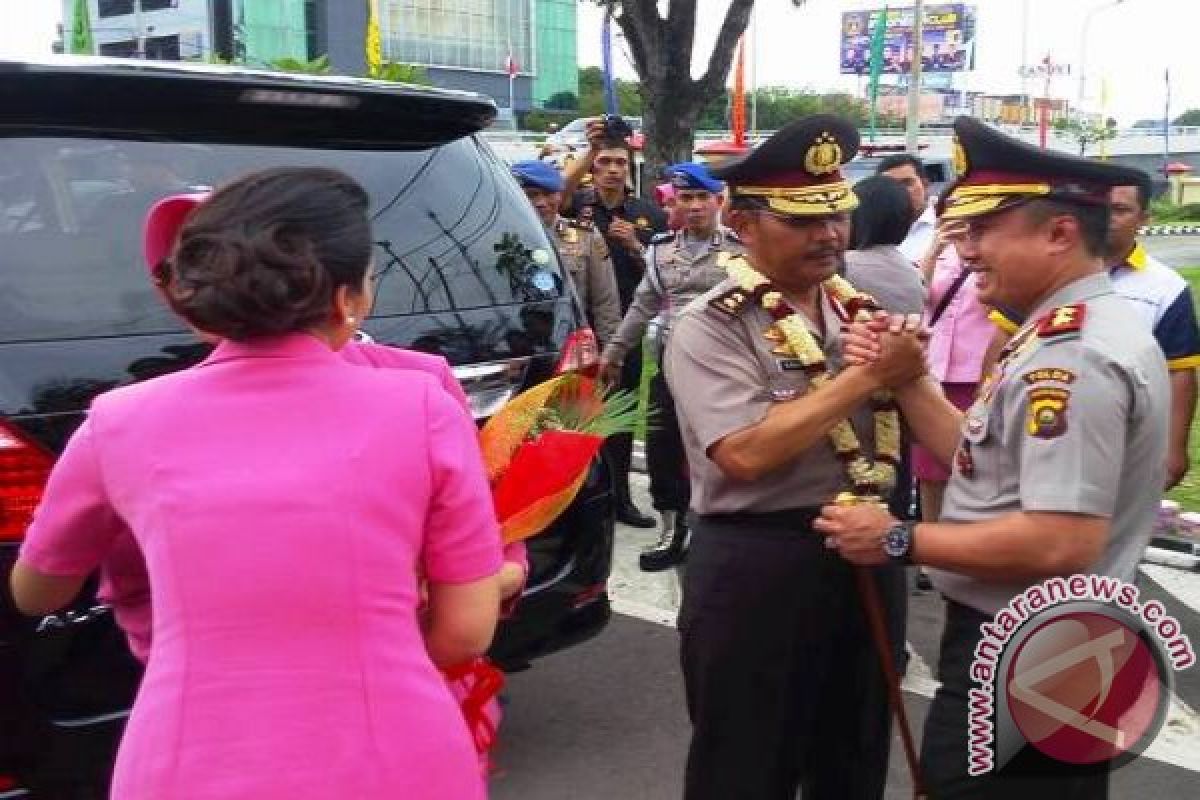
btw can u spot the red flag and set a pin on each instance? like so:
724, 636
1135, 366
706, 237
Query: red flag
737, 112
510, 65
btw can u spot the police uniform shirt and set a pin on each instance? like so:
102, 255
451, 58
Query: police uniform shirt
1072, 422
647, 220
725, 377
586, 257
1162, 300
679, 269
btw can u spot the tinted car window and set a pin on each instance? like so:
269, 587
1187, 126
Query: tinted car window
453, 231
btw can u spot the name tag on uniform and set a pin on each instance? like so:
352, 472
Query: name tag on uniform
790, 364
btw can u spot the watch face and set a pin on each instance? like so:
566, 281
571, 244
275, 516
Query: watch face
895, 544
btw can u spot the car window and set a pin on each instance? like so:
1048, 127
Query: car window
453, 232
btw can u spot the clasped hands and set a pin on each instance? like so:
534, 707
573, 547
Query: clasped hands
892, 347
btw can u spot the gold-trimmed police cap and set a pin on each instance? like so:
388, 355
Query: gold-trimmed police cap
798, 171
997, 171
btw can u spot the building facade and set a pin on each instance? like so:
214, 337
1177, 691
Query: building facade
257, 31
467, 44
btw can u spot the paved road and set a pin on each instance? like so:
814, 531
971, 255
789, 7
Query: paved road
1175, 251
606, 719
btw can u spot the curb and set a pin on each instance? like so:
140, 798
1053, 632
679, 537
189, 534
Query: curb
1170, 230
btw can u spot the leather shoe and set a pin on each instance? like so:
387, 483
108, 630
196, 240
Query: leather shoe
628, 514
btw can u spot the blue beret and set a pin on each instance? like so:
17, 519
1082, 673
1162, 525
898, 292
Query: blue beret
539, 174
690, 175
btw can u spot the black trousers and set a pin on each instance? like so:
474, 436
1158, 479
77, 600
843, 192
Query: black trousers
1029, 776
666, 461
784, 687
619, 449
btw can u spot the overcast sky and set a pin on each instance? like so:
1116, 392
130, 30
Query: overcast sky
1130, 44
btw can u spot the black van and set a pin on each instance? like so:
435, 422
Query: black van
86, 146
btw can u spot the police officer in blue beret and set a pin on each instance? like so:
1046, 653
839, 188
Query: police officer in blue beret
680, 266
581, 247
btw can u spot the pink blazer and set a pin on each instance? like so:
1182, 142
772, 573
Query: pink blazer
284, 517
123, 582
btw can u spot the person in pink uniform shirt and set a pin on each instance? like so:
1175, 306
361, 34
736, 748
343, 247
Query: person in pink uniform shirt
959, 338
285, 526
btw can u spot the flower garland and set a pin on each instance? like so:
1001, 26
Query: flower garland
792, 337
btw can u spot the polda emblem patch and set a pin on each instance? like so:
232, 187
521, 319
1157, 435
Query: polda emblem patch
1046, 417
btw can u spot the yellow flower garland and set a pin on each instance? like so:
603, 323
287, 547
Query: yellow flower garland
867, 478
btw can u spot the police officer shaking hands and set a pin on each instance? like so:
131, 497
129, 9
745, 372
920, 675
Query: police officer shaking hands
1058, 466
784, 688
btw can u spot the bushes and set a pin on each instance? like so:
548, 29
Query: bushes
1163, 212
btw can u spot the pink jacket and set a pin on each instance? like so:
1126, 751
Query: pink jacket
961, 336
284, 516
123, 582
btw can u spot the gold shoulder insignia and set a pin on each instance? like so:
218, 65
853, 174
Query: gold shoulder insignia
1061, 321
730, 303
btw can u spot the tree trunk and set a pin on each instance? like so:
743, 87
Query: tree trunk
661, 49
669, 124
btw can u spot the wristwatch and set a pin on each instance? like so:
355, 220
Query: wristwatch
897, 542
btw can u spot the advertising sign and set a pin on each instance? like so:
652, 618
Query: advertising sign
948, 39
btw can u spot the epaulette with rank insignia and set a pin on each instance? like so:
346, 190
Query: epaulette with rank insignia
1063, 322
730, 302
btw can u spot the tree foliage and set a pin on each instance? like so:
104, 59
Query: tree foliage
402, 73
316, 66
1191, 117
776, 105
1089, 133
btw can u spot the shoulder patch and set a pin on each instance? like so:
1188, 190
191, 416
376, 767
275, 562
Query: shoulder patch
730, 302
1046, 414
1062, 321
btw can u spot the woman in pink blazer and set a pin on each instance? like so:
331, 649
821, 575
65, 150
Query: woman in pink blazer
284, 518
124, 584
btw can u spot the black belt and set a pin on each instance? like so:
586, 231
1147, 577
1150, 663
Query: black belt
783, 523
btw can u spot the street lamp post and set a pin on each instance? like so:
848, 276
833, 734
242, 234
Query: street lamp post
913, 122
1083, 36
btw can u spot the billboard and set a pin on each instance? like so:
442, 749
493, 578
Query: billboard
948, 39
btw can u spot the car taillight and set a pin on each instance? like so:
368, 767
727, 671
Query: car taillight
581, 353
24, 468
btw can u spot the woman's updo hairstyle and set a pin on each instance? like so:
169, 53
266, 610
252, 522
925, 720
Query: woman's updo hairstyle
265, 254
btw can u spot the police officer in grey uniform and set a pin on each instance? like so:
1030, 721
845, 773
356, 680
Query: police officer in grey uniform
680, 266
582, 248
1057, 467
784, 688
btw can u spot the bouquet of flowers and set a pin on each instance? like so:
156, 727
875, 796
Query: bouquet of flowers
537, 448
